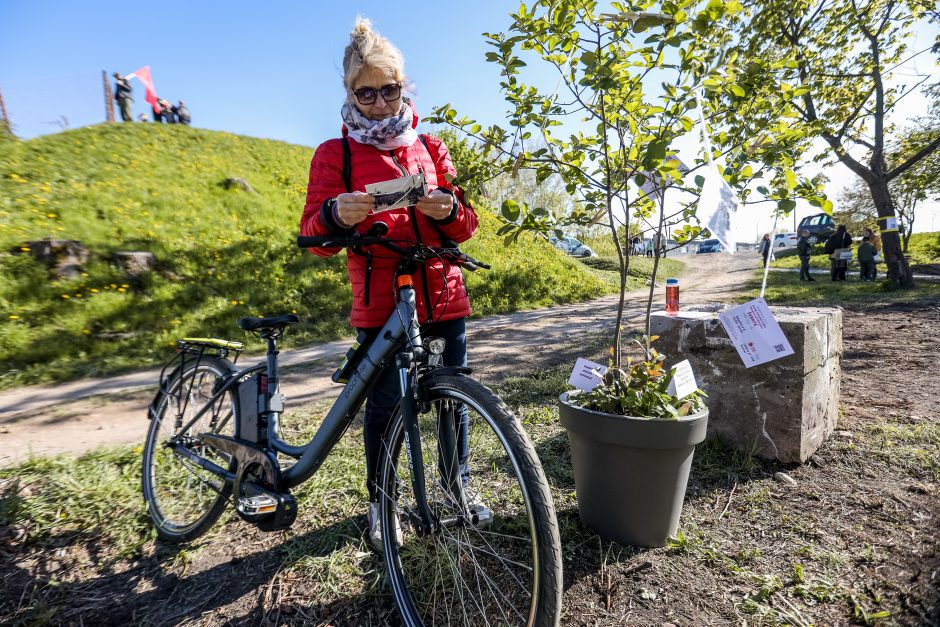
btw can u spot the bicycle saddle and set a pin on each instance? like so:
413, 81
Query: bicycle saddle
277, 322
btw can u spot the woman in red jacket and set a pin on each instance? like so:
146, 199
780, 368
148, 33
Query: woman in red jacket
382, 144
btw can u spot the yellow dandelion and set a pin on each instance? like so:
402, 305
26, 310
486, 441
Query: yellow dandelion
12, 317
65, 296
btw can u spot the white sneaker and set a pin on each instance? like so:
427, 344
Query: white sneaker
374, 523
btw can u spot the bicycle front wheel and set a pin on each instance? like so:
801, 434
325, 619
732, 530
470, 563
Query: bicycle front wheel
184, 499
504, 572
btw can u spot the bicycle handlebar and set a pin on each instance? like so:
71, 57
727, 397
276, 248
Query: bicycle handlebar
413, 251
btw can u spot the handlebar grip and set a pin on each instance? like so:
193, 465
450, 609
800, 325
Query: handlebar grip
320, 241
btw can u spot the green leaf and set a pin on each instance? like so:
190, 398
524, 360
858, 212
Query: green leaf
790, 178
737, 91
510, 210
786, 205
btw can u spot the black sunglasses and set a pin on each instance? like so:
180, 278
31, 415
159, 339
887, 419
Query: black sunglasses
368, 95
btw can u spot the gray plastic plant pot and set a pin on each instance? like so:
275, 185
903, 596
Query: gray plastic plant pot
630, 474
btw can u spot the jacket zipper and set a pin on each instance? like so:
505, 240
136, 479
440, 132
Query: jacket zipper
414, 223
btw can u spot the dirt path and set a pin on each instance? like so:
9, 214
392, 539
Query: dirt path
77, 417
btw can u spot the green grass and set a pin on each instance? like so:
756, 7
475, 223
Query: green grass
923, 248
222, 253
785, 288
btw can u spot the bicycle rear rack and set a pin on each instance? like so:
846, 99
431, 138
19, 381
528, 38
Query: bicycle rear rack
197, 347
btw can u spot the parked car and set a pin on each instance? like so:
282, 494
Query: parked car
820, 226
785, 240
709, 246
573, 247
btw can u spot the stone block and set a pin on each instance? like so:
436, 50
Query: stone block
135, 263
784, 409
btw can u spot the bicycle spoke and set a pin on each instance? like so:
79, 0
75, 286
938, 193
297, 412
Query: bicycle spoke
489, 572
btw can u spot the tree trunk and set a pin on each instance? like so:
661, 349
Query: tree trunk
898, 269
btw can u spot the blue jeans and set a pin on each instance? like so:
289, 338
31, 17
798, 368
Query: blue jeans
386, 392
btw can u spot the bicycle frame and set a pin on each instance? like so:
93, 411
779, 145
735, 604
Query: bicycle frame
401, 323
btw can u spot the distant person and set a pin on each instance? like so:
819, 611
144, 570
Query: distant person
803, 250
167, 112
866, 260
840, 241
142, 118
636, 245
874, 238
649, 247
763, 249
659, 242
182, 113
122, 93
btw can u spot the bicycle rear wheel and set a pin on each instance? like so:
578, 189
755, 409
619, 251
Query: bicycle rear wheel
185, 500
505, 573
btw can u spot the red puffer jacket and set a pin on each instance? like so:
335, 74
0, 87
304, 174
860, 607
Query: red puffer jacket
436, 283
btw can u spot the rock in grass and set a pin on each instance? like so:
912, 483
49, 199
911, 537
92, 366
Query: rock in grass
783, 477
237, 181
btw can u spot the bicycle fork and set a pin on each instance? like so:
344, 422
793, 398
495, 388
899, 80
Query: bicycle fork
409, 410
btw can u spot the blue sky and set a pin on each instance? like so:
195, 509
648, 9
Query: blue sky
266, 69
263, 69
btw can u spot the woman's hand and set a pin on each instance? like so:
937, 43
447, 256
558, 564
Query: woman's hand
353, 207
438, 204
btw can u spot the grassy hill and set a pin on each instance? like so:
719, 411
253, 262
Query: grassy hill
221, 253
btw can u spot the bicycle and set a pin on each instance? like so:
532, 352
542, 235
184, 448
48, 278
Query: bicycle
214, 438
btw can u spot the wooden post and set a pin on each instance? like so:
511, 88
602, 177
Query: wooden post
108, 98
4, 118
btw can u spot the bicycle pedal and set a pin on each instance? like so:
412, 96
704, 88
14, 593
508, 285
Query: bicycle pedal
481, 517
257, 505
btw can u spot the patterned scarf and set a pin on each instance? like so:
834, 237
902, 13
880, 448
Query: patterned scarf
387, 134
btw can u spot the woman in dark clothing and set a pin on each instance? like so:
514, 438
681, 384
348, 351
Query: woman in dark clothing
841, 239
804, 250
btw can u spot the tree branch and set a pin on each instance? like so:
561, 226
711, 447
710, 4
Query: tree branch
920, 154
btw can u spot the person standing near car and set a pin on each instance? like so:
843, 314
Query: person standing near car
764, 248
840, 241
803, 250
379, 143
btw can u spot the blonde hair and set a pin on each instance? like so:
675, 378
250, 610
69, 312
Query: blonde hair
368, 48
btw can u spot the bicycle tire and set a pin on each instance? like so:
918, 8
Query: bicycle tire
516, 561
184, 500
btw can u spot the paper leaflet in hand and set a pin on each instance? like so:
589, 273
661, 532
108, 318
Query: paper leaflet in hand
396, 193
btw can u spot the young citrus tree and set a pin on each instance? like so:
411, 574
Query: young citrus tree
626, 97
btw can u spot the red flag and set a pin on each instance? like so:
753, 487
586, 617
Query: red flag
143, 75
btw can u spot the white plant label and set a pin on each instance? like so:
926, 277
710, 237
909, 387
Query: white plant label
587, 375
755, 333
683, 380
